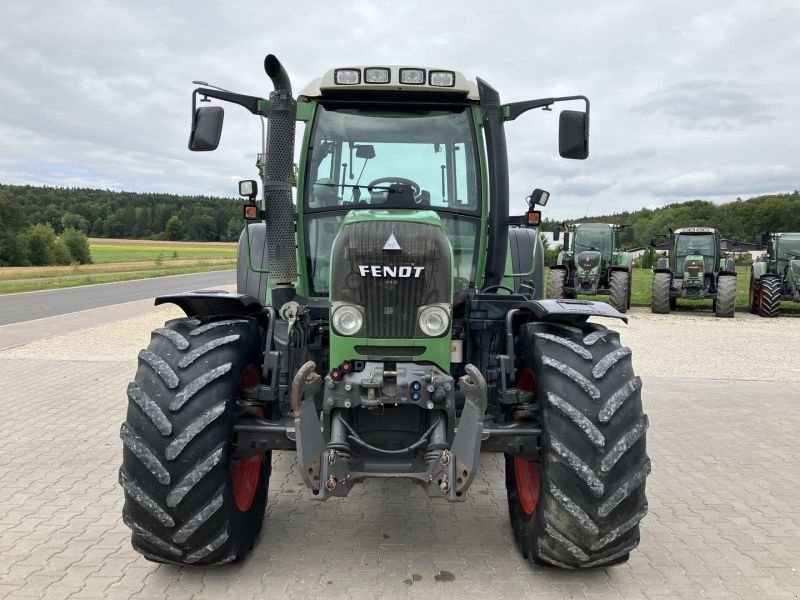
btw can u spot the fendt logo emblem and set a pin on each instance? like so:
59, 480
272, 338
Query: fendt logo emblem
392, 243
406, 272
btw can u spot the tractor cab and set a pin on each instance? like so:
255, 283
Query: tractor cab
593, 247
390, 157
786, 254
696, 252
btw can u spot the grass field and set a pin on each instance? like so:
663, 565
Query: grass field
114, 251
122, 260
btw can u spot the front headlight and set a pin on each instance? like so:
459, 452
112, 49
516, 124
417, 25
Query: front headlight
347, 319
434, 321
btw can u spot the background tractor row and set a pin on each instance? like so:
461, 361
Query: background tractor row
592, 262
694, 270
389, 325
778, 277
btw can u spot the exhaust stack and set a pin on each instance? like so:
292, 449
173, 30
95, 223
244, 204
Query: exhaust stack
278, 172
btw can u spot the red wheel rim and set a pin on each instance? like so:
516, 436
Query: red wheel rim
245, 472
526, 472
527, 475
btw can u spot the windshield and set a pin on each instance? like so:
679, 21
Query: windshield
695, 245
788, 249
596, 239
432, 152
408, 159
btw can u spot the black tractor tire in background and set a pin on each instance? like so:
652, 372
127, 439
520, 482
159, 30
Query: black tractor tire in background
186, 500
725, 302
660, 301
770, 296
619, 285
556, 280
754, 295
580, 505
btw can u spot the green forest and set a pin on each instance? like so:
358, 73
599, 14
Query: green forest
39, 225
743, 219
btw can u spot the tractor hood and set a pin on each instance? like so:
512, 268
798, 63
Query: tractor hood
587, 261
694, 267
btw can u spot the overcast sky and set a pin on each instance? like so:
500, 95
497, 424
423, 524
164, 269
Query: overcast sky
690, 99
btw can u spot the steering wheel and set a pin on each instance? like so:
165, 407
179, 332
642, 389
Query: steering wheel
414, 185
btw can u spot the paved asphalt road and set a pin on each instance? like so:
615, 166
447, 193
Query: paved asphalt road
17, 308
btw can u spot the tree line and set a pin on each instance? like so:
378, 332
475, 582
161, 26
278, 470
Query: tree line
44, 225
742, 219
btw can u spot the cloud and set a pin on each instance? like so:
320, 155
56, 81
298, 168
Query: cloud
710, 104
688, 99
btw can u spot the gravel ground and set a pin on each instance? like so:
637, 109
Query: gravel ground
691, 345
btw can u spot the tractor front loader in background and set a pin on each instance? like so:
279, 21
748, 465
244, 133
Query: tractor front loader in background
694, 270
778, 277
593, 264
390, 325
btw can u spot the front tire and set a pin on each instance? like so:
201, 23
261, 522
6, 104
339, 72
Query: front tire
620, 290
770, 297
725, 302
660, 301
556, 280
186, 500
581, 504
754, 295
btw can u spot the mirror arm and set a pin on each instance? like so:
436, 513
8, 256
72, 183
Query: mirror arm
251, 103
514, 109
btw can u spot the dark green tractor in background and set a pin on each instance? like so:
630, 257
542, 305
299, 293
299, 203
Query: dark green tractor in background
694, 270
594, 263
778, 277
389, 324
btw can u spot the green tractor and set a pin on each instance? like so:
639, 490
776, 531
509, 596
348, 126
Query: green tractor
694, 270
594, 264
389, 325
777, 278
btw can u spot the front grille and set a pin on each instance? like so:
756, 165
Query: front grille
588, 260
390, 301
693, 268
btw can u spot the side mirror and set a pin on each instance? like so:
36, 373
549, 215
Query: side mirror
653, 242
366, 151
764, 240
573, 134
629, 234
723, 245
206, 128
556, 233
565, 245
539, 197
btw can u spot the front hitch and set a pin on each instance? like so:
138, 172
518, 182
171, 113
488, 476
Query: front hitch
467, 443
446, 473
310, 443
